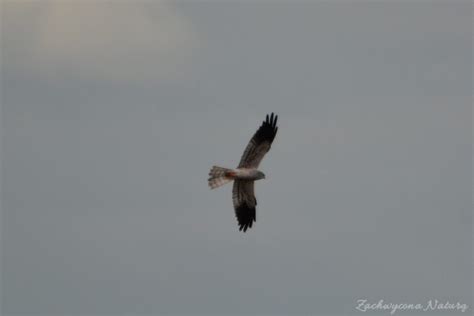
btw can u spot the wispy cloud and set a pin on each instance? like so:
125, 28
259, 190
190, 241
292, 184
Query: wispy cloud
99, 39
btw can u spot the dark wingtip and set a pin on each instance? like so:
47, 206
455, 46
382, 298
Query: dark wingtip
243, 228
271, 119
267, 131
245, 217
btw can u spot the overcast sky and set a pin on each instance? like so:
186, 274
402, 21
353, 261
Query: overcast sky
114, 112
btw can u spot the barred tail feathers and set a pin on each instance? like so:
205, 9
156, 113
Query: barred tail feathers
219, 176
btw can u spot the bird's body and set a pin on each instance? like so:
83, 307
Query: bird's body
249, 174
246, 173
221, 176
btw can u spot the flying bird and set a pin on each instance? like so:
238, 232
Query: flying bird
244, 176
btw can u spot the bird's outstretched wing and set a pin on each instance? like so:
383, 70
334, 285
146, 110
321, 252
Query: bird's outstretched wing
260, 143
244, 203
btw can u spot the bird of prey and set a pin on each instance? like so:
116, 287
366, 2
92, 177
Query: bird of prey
247, 173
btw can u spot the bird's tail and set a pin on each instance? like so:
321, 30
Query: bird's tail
219, 176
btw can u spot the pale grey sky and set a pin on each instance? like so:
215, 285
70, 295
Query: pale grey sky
113, 113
